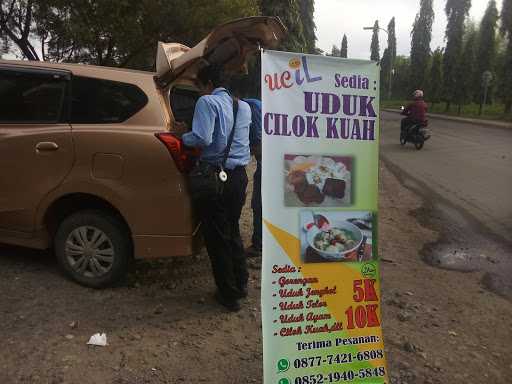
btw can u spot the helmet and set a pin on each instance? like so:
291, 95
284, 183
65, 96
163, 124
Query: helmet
417, 94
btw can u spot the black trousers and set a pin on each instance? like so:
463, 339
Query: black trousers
220, 216
257, 209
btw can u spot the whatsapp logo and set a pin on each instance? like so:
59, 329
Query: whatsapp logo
283, 381
282, 366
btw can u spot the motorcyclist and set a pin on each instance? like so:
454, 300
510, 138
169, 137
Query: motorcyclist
415, 112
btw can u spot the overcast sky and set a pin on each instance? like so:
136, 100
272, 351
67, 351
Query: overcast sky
334, 18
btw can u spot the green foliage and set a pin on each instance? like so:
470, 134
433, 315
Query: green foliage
420, 44
491, 112
119, 33
506, 18
465, 85
374, 47
335, 51
389, 64
485, 61
385, 72
456, 12
434, 90
297, 16
344, 47
392, 41
400, 86
289, 11
307, 8
506, 81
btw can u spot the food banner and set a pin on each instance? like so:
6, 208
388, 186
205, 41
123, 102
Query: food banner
320, 273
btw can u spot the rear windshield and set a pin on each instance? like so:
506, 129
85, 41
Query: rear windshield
183, 102
97, 101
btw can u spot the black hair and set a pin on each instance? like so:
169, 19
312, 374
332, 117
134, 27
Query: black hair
213, 73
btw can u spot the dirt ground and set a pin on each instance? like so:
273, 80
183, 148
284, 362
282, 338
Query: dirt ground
163, 326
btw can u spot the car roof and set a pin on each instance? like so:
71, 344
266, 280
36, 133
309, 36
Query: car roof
113, 73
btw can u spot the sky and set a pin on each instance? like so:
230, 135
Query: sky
334, 18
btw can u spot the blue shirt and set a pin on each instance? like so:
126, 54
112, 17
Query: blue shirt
255, 129
212, 124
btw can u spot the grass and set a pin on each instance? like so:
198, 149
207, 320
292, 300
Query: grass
490, 112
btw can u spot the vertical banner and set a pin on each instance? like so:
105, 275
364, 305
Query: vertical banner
321, 287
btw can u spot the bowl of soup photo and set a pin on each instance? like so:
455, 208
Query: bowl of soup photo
335, 242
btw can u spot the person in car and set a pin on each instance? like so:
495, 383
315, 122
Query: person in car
415, 112
211, 126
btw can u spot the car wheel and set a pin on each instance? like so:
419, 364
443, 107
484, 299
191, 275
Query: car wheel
418, 144
94, 248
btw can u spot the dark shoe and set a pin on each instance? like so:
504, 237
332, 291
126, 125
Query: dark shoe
253, 251
230, 305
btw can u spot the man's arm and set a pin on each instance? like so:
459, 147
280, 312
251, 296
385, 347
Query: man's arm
203, 125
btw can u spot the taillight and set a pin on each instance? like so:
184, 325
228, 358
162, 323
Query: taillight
183, 156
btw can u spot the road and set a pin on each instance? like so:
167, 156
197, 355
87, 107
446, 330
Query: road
466, 164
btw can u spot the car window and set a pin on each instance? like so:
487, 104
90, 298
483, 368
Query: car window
183, 102
30, 98
96, 101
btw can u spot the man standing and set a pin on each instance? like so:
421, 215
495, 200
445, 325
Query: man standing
220, 214
255, 142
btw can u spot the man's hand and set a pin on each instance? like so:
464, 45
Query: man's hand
180, 128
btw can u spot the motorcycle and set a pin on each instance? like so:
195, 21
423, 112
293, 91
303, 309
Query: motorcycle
415, 133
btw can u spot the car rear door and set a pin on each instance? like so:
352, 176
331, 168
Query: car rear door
228, 45
36, 147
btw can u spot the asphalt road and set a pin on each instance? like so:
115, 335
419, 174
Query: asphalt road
467, 164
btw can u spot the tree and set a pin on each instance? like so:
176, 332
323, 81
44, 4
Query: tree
436, 77
506, 30
307, 8
392, 40
289, 12
335, 51
391, 54
400, 86
420, 44
16, 22
344, 47
456, 12
122, 33
385, 71
486, 46
374, 46
466, 73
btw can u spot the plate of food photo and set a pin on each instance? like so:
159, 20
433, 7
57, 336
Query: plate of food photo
336, 236
323, 181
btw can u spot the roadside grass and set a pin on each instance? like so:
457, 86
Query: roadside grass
490, 112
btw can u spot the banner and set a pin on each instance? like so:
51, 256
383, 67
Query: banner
320, 288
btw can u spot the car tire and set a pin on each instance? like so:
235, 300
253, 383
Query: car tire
93, 248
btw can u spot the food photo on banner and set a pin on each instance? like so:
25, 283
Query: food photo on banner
330, 236
320, 272
317, 181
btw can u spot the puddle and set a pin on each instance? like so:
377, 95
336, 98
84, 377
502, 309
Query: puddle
454, 259
464, 243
